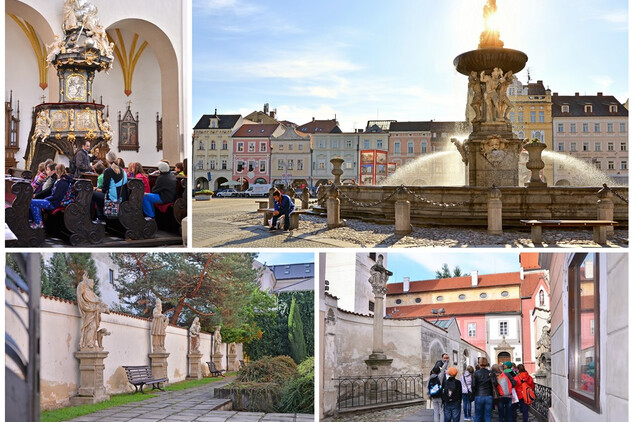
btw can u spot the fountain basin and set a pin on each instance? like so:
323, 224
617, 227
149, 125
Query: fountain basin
546, 203
486, 59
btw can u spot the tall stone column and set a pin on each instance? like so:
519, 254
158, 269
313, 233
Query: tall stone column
495, 211
605, 207
378, 280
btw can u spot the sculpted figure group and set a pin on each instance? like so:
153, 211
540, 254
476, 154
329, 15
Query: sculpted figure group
487, 96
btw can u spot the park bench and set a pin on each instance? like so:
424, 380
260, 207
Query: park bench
139, 376
294, 216
131, 222
599, 228
18, 195
214, 371
74, 221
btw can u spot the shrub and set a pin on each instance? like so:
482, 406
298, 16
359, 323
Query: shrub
203, 192
251, 396
297, 396
278, 369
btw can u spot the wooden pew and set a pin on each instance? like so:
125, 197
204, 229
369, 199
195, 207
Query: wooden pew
132, 223
17, 203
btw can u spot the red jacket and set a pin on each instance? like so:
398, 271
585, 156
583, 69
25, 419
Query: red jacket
523, 377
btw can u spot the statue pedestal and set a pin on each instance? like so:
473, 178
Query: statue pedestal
159, 364
195, 366
232, 362
491, 163
218, 361
91, 388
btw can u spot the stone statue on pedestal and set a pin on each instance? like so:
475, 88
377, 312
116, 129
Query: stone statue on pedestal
90, 308
217, 341
379, 276
159, 328
194, 336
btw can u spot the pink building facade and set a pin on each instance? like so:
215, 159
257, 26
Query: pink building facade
251, 153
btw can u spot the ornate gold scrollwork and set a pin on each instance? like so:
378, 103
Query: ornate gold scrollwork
72, 137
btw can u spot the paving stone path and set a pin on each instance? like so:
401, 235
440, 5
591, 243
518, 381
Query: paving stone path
194, 404
234, 223
403, 414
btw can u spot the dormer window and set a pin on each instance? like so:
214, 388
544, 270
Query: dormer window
565, 109
613, 108
588, 108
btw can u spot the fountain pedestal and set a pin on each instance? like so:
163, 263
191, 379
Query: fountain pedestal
492, 159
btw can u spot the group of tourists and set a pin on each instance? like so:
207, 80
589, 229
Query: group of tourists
507, 387
52, 185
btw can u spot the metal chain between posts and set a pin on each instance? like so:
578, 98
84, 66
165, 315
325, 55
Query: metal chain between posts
400, 188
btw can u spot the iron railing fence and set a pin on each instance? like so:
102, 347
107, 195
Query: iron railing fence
356, 392
540, 406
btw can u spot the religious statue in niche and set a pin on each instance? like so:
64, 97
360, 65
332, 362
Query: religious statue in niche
128, 131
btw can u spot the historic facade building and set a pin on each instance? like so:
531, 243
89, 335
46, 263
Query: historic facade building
213, 149
290, 159
148, 75
593, 129
251, 153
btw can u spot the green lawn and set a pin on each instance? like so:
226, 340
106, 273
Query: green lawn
67, 413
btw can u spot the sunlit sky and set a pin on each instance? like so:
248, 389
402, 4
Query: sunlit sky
422, 264
282, 258
368, 59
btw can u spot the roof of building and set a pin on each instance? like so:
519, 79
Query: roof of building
382, 124
600, 105
320, 126
536, 88
291, 134
225, 121
461, 283
410, 127
450, 127
288, 271
444, 323
256, 131
261, 117
478, 307
301, 285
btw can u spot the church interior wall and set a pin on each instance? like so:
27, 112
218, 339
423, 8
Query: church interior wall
128, 344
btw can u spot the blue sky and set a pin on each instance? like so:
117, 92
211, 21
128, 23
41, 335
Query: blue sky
367, 59
272, 258
422, 264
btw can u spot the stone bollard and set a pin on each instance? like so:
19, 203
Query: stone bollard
305, 199
605, 207
271, 199
403, 213
495, 217
333, 209
292, 194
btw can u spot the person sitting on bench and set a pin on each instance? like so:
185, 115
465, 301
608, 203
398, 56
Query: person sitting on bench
283, 206
163, 192
63, 183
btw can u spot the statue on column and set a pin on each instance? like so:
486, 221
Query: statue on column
159, 327
90, 308
475, 98
194, 336
379, 276
217, 341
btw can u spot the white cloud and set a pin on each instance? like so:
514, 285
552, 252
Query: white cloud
216, 7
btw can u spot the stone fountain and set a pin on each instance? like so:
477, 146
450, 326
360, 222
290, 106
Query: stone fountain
491, 152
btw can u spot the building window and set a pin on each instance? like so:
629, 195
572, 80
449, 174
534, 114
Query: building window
252, 165
503, 328
262, 147
613, 108
291, 164
462, 296
251, 147
335, 144
213, 145
572, 127
348, 143
396, 148
472, 329
585, 146
541, 298
597, 165
200, 146
371, 306
597, 146
300, 164
561, 146
212, 165
418, 300
322, 165
281, 147
240, 166
280, 164
623, 165
520, 117
532, 116
225, 145
511, 116
240, 147
622, 146
290, 147
439, 298
504, 293
585, 127
596, 127
423, 147
410, 148
565, 109
224, 164
483, 295
379, 144
366, 144
584, 345
262, 166
622, 127
541, 117
300, 147
610, 146
111, 276
588, 108
610, 165
572, 147
610, 127
561, 128
398, 301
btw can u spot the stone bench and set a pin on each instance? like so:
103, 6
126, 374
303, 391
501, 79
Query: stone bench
140, 376
599, 228
294, 216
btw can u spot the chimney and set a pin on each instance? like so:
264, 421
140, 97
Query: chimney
555, 94
599, 94
405, 284
216, 112
272, 113
474, 278
577, 94
266, 107
313, 119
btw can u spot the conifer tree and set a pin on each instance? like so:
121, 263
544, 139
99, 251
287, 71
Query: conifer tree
295, 333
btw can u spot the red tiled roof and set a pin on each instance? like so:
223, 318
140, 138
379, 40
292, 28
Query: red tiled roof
529, 284
457, 283
256, 131
479, 307
529, 260
320, 126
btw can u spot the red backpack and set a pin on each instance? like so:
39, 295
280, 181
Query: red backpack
528, 392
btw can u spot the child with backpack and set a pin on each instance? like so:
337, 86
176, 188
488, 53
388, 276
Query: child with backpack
452, 396
435, 392
505, 384
524, 390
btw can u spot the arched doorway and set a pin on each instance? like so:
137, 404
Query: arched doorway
202, 183
217, 185
503, 357
260, 181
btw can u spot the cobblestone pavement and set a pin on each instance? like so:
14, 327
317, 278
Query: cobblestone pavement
403, 414
194, 404
233, 222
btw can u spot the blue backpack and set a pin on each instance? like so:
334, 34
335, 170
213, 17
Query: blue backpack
69, 196
435, 388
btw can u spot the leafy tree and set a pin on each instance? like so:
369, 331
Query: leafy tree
221, 289
445, 272
295, 333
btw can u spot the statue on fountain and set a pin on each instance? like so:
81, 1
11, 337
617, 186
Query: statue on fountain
379, 276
